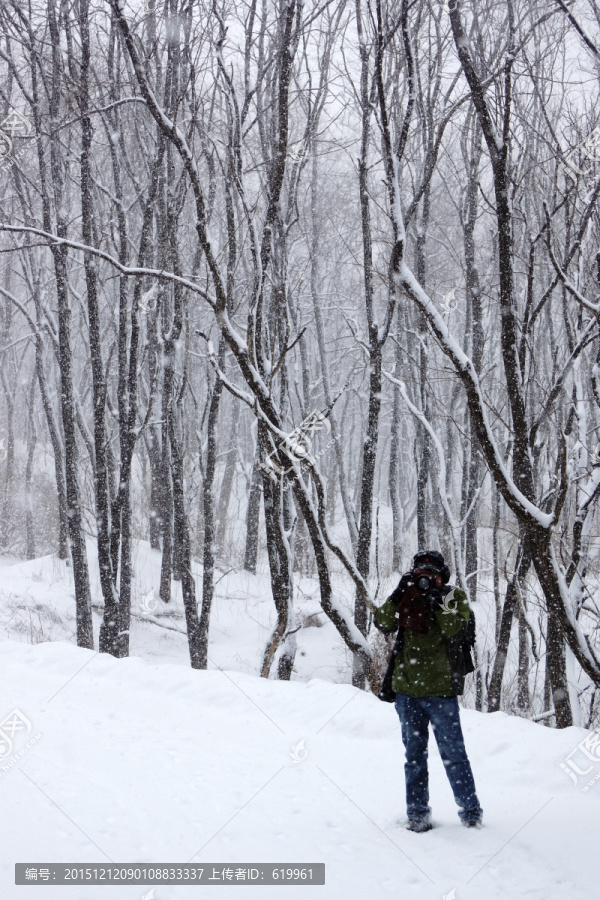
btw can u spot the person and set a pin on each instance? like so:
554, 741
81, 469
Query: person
428, 612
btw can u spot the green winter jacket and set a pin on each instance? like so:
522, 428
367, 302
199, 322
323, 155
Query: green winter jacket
423, 669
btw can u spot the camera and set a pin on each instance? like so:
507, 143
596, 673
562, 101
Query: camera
424, 584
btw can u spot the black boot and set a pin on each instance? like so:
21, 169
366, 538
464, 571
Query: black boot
418, 825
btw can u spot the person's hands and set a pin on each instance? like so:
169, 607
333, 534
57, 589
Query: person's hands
434, 598
399, 593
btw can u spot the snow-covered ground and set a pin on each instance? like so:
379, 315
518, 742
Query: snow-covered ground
145, 760
37, 604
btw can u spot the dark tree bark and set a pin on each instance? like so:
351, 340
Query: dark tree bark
280, 567
508, 612
394, 469
30, 548
228, 478
209, 513
523, 695
156, 490
253, 514
83, 600
109, 632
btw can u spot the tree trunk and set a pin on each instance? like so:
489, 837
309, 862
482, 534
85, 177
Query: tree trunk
280, 566
188, 585
166, 567
31, 445
508, 611
394, 470
523, 696
228, 477
110, 629
209, 513
253, 514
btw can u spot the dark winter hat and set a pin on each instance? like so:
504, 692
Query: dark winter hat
431, 559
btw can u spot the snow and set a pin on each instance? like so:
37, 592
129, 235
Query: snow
146, 760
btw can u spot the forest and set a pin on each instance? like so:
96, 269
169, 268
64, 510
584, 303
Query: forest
297, 288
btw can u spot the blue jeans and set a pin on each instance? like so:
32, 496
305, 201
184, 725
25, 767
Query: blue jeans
443, 712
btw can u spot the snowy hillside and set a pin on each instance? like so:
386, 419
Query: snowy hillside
144, 762
37, 604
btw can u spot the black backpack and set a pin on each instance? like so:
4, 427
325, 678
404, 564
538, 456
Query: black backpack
385, 692
460, 650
